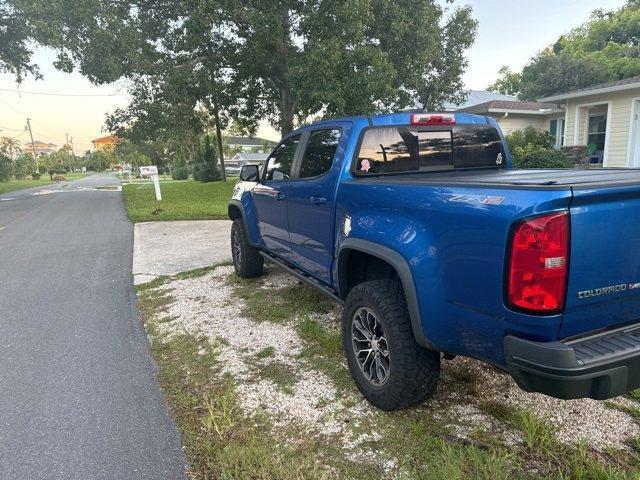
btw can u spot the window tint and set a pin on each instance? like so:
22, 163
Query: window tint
281, 160
318, 156
404, 149
409, 149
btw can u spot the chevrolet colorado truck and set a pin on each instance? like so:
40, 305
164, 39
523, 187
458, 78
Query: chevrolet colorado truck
436, 247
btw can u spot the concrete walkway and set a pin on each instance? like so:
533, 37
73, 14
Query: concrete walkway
167, 248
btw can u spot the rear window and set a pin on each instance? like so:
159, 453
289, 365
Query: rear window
416, 149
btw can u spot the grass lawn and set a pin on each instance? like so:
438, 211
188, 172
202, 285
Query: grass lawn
181, 200
20, 184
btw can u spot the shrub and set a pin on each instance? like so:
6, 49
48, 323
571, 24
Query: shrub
180, 173
205, 168
59, 178
532, 156
36, 175
532, 148
6, 168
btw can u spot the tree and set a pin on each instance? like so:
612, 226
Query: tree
24, 165
15, 55
605, 48
9, 146
179, 168
6, 168
507, 83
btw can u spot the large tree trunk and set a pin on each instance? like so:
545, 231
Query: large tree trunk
216, 116
282, 49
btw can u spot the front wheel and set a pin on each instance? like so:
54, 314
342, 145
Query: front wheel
247, 260
390, 369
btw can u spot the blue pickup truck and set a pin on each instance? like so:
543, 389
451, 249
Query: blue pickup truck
436, 247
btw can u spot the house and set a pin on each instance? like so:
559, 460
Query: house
602, 120
250, 144
607, 116
106, 143
38, 148
235, 163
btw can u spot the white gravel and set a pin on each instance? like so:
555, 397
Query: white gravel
207, 306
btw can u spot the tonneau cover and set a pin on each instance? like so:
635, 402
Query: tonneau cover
547, 178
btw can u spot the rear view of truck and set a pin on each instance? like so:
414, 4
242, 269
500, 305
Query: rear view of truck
584, 263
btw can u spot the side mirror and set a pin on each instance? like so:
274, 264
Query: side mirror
250, 173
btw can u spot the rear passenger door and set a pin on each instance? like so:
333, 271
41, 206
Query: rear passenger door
312, 201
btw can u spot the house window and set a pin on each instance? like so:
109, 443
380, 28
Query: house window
556, 128
597, 130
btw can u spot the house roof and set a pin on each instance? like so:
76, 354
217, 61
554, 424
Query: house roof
476, 97
617, 85
107, 139
505, 106
248, 141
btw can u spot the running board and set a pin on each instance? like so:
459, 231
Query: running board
312, 282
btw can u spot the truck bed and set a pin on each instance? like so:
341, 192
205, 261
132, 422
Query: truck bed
559, 179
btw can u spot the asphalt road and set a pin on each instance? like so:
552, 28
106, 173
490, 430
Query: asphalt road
78, 396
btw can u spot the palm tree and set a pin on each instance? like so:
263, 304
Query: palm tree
9, 145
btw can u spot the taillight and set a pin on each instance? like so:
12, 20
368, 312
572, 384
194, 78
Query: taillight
538, 263
433, 119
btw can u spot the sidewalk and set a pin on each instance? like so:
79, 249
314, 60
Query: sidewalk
167, 248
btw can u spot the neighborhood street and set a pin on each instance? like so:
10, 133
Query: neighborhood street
78, 397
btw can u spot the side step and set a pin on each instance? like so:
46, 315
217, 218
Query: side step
312, 282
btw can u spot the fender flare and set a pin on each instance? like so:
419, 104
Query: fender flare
401, 266
238, 204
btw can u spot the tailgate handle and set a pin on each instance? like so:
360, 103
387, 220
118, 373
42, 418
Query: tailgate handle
318, 200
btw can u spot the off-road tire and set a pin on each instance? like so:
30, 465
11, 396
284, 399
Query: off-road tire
247, 260
413, 371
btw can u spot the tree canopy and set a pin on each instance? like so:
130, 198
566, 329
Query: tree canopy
194, 63
605, 48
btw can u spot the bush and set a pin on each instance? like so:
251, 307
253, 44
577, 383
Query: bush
532, 156
59, 178
6, 168
180, 173
532, 148
36, 175
205, 168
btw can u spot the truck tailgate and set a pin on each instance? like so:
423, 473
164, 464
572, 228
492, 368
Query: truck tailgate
604, 267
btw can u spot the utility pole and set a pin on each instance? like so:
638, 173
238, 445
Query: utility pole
33, 145
73, 154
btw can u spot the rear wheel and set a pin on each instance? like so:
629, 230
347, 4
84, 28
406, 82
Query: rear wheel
247, 260
390, 369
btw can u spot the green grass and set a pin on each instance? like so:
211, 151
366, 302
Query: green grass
13, 185
185, 200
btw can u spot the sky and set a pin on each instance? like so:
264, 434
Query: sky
509, 33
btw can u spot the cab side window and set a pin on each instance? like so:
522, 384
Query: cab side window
318, 156
281, 160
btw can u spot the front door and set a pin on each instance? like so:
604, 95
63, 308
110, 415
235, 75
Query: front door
311, 203
270, 198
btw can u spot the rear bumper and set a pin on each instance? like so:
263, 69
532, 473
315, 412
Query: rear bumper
600, 366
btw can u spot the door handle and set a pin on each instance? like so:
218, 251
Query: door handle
280, 196
318, 200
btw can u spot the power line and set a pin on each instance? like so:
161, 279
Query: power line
60, 94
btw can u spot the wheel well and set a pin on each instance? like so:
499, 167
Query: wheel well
356, 267
234, 212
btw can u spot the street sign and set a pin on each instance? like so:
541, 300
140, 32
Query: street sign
148, 171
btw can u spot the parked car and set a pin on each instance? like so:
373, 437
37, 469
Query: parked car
436, 247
